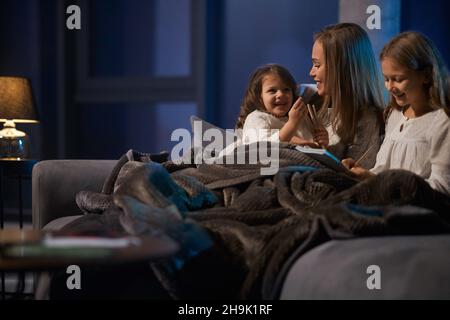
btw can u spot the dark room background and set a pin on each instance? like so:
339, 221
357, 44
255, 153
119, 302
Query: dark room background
138, 69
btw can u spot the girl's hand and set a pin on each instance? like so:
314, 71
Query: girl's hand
297, 111
321, 137
361, 173
348, 163
358, 171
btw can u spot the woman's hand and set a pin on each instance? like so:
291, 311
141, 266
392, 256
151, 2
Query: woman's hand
303, 142
321, 137
358, 171
349, 163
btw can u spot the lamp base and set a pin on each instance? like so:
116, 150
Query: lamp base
14, 145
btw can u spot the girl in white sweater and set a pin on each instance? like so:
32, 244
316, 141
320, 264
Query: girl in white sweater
418, 117
268, 111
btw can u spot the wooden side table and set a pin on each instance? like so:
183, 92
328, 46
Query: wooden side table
14, 169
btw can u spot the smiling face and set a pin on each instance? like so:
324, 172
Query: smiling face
405, 85
318, 69
276, 95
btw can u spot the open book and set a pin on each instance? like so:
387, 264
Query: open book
323, 156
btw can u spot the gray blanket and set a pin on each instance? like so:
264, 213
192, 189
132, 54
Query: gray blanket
259, 224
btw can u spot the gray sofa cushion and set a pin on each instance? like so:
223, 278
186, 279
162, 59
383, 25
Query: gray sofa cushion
411, 267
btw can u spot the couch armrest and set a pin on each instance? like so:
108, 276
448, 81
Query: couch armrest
56, 182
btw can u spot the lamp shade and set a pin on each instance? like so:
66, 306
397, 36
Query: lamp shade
16, 100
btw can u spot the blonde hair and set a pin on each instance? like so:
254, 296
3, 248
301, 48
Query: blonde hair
415, 51
353, 81
252, 99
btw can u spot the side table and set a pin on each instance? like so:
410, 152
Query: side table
19, 169
14, 169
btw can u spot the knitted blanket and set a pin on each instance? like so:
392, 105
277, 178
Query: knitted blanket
262, 224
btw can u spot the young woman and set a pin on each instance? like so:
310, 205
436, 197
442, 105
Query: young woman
418, 123
347, 77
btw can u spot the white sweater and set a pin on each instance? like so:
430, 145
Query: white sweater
420, 145
257, 120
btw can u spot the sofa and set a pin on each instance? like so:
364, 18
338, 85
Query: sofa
388, 267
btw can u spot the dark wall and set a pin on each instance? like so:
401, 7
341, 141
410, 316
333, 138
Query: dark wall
430, 17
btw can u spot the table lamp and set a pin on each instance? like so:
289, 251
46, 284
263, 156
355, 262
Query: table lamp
16, 106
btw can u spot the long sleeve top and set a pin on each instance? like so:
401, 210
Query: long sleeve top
420, 145
367, 136
262, 126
